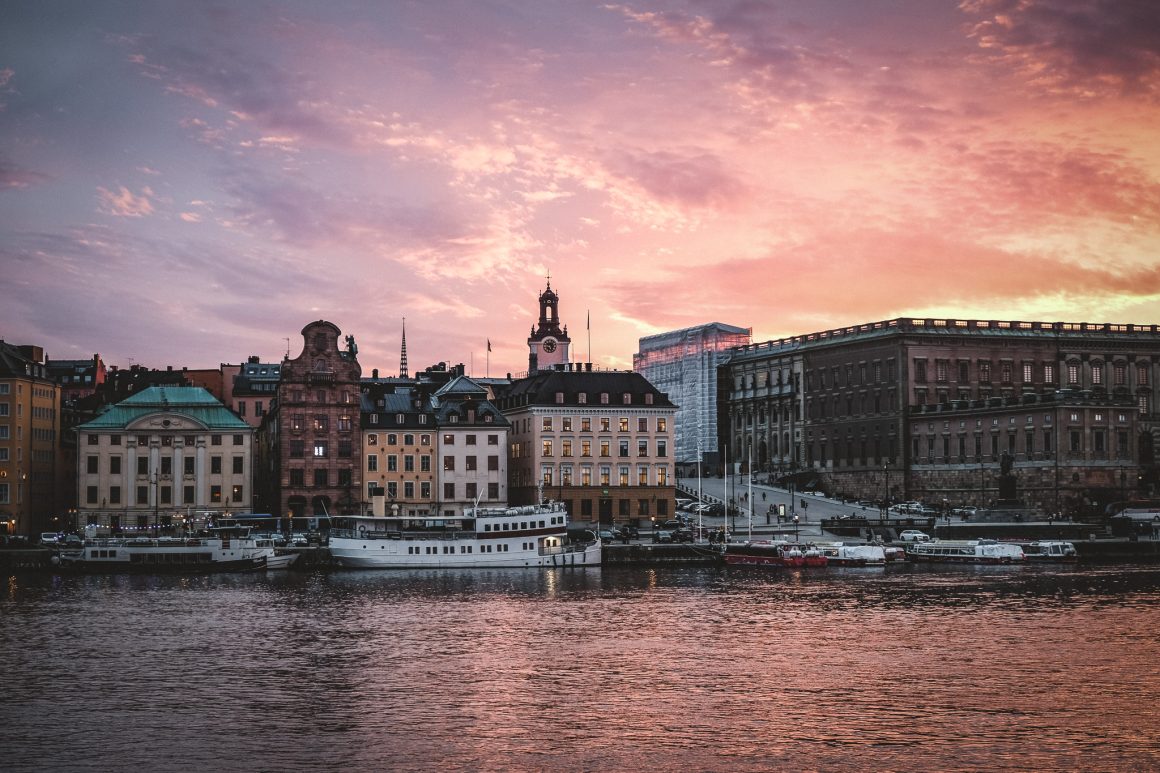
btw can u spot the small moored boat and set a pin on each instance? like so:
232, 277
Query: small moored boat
772, 553
845, 554
228, 549
974, 551
1051, 551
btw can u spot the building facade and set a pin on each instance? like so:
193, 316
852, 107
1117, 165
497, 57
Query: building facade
252, 388
850, 395
683, 365
472, 447
165, 458
600, 441
311, 444
399, 446
29, 438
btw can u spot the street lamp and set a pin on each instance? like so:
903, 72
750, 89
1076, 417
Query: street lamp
795, 528
885, 489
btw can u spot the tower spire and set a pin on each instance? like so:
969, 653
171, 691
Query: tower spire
403, 354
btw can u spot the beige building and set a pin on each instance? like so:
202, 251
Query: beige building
601, 441
164, 458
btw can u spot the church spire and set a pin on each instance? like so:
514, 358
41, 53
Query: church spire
403, 354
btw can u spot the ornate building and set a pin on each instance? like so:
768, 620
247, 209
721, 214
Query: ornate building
311, 444
165, 457
472, 447
548, 344
843, 409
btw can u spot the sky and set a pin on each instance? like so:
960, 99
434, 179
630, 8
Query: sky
191, 183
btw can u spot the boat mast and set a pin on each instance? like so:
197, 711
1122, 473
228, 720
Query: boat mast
700, 501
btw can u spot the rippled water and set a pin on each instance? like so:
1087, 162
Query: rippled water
903, 668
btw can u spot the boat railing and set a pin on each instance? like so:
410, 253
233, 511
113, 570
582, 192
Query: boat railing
397, 534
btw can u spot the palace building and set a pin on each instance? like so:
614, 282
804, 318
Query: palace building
924, 408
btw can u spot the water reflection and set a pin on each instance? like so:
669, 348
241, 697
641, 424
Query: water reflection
595, 669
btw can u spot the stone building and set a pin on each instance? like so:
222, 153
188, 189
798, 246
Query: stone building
29, 435
310, 446
835, 408
163, 458
251, 389
600, 441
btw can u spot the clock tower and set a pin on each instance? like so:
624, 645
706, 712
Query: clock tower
548, 343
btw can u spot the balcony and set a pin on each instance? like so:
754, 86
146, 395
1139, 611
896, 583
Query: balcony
321, 378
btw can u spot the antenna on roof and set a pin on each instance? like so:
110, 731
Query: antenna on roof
287, 340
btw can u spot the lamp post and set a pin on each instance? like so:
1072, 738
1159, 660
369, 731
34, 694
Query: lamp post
795, 528
982, 488
156, 498
885, 509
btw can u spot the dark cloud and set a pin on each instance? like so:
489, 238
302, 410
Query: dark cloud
1091, 47
698, 179
13, 176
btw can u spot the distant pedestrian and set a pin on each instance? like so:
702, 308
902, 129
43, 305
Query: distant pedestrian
762, 496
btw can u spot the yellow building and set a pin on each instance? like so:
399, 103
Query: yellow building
29, 433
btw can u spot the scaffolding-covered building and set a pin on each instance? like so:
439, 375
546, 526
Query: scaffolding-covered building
683, 364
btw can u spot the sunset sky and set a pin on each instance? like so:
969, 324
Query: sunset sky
188, 183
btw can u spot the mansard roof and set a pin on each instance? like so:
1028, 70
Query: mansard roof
542, 388
194, 403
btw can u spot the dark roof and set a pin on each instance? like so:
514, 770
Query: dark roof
541, 389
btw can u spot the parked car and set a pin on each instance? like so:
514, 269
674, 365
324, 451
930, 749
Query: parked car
662, 536
913, 535
48, 537
682, 535
629, 531
671, 524
609, 535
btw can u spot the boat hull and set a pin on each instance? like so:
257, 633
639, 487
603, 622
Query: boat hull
393, 554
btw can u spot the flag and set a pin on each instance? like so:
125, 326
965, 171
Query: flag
489, 344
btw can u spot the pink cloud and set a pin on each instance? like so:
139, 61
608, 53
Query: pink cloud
124, 203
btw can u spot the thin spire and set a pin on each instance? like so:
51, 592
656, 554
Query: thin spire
403, 354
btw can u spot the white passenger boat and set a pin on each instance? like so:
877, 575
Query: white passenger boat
229, 549
1051, 551
534, 535
974, 551
846, 554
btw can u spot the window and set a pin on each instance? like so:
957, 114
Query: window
425, 463
546, 424
586, 424
297, 478
547, 448
586, 448
297, 449
940, 368
321, 478
91, 464
320, 449
372, 463
425, 489
920, 371
167, 465
215, 494
642, 475
1119, 374
623, 424
392, 440
448, 439
642, 448
984, 372
493, 463
605, 448
1072, 373
408, 490
344, 424
662, 448
1027, 370
662, 425
188, 463
114, 495
142, 495
623, 447
605, 424
449, 491
605, 474
215, 465
372, 439
1049, 374
1141, 375
215, 440
236, 494
1097, 373
492, 491
448, 463
493, 440
1005, 372
239, 465
392, 463
469, 463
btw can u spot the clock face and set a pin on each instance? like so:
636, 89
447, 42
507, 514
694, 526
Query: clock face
549, 345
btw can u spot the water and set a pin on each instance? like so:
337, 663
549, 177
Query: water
689, 669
